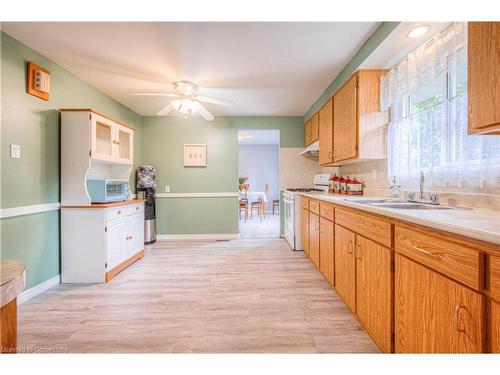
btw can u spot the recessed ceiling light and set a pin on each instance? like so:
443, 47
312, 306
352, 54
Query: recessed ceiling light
417, 32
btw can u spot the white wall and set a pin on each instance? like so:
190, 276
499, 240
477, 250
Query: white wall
261, 165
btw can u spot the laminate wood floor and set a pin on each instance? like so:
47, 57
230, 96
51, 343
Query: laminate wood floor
243, 296
267, 228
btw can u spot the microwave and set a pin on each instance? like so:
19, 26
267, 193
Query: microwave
107, 190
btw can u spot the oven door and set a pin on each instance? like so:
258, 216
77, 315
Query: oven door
289, 221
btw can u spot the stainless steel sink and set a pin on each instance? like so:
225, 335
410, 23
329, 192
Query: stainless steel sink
405, 205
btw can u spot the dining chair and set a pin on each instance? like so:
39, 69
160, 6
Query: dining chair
276, 203
244, 205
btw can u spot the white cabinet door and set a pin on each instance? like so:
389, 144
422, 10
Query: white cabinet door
124, 142
136, 243
117, 243
102, 136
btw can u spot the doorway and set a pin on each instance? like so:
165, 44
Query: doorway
258, 169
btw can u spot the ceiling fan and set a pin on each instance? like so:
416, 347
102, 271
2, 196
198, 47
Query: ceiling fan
188, 101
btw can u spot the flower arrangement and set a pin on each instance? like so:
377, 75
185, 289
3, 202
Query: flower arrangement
243, 182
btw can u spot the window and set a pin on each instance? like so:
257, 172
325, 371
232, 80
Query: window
427, 95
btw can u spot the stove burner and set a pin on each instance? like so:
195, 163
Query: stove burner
304, 190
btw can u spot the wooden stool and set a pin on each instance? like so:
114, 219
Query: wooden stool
276, 203
256, 205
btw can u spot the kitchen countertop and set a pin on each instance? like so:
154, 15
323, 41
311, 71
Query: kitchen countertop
107, 205
479, 224
11, 280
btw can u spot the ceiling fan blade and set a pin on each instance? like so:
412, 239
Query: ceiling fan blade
204, 113
165, 110
209, 99
155, 94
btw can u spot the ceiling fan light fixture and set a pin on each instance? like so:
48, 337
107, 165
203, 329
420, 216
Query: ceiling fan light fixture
185, 106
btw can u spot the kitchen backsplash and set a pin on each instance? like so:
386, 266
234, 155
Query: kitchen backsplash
374, 175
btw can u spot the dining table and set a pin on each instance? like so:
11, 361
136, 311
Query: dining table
254, 196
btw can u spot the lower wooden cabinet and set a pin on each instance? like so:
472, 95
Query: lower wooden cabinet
314, 238
495, 326
434, 314
304, 230
326, 249
345, 267
374, 290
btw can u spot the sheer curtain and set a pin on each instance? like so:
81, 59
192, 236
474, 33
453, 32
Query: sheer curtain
427, 96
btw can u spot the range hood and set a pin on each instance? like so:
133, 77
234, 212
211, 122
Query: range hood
311, 150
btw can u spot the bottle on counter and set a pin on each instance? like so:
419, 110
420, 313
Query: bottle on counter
336, 184
343, 184
354, 187
330, 185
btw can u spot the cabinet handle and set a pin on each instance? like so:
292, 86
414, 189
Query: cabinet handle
457, 318
117, 142
355, 252
137, 208
114, 142
427, 252
119, 212
349, 247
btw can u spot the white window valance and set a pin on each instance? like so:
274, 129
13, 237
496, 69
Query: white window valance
427, 97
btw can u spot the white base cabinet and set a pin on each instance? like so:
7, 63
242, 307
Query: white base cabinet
95, 241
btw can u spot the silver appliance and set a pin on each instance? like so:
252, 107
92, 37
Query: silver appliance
292, 208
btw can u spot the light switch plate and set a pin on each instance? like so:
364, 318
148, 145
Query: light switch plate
167, 188
15, 151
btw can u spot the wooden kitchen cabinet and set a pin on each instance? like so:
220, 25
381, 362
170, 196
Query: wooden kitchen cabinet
483, 76
494, 326
374, 290
345, 267
304, 230
434, 314
311, 129
326, 248
359, 127
326, 133
314, 239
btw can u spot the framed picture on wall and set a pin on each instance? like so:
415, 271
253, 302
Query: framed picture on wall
195, 155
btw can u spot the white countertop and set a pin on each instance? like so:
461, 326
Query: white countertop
480, 224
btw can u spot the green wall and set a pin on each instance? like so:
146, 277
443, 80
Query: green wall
366, 49
163, 141
34, 178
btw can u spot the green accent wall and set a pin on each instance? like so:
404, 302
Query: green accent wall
163, 146
34, 178
366, 49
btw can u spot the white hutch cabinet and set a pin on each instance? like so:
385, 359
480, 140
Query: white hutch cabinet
97, 240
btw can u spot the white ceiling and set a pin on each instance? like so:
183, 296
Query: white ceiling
263, 137
266, 68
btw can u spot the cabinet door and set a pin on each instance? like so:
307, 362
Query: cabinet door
314, 238
374, 290
315, 127
434, 314
326, 249
124, 143
326, 133
345, 267
345, 121
136, 237
102, 134
307, 133
495, 326
304, 230
117, 243
483, 76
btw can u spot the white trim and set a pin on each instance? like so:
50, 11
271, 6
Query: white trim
38, 289
198, 237
28, 210
196, 195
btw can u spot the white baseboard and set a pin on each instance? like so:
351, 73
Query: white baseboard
197, 237
38, 289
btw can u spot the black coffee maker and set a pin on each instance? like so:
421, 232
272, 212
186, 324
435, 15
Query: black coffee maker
146, 184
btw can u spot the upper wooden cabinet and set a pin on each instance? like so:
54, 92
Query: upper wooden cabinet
311, 129
326, 133
345, 122
483, 77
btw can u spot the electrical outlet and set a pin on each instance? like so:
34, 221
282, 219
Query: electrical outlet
15, 151
167, 188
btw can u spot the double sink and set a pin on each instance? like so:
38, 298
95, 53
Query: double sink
404, 205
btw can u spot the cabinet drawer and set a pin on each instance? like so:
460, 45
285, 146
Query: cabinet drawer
115, 213
305, 203
495, 277
326, 210
135, 209
314, 207
452, 259
368, 226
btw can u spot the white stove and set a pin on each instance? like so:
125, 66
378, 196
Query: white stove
292, 208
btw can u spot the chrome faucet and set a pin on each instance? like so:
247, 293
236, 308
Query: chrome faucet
422, 180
